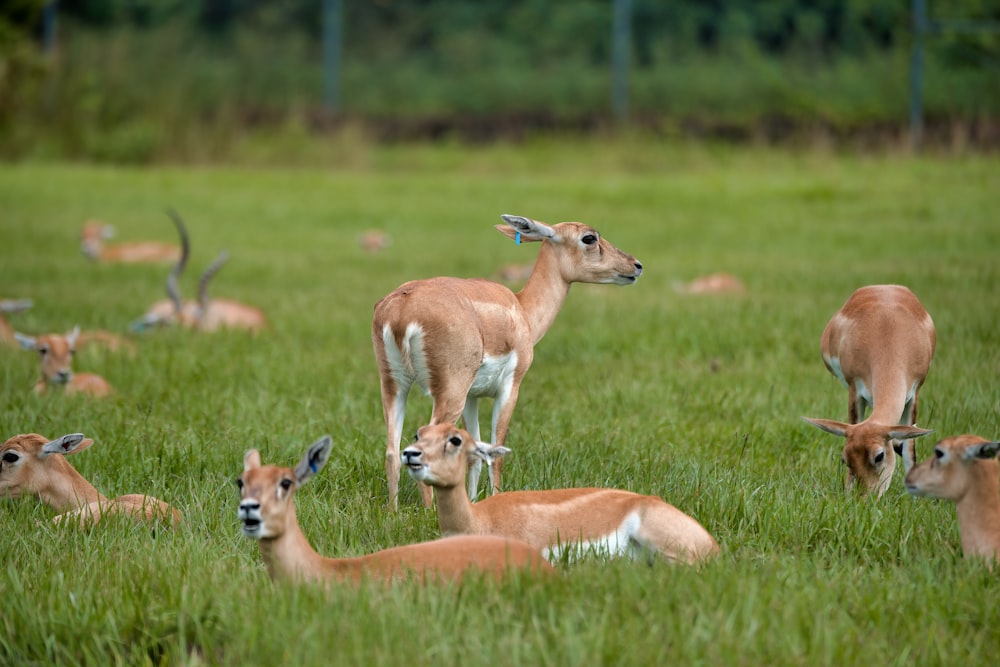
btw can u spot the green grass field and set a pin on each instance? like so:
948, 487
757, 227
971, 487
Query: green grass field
696, 399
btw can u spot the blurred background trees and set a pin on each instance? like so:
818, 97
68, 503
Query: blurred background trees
139, 80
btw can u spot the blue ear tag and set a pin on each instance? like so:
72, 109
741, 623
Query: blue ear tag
312, 466
517, 238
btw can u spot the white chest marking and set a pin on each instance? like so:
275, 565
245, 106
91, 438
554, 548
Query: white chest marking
495, 376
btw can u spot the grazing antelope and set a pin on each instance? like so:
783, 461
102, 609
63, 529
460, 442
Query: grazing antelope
31, 464
267, 514
10, 306
206, 314
94, 234
879, 345
55, 352
463, 339
561, 522
965, 471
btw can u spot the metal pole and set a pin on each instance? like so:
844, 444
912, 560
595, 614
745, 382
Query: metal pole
917, 73
621, 48
332, 42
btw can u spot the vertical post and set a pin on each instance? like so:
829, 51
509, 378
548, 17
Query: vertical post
621, 48
332, 38
917, 73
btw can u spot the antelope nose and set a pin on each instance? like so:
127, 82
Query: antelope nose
638, 267
64, 376
249, 506
410, 455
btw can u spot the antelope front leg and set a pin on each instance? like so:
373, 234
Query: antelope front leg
470, 418
502, 412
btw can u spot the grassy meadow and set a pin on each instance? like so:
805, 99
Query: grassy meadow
695, 398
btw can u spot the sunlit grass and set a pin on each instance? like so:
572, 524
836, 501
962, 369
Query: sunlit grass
696, 399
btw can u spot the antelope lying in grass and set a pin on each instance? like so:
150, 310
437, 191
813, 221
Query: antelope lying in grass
965, 471
267, 513
30, 464
94, 234
7, 333
463, 339
562, 522
879, 345
55, 353
205, 314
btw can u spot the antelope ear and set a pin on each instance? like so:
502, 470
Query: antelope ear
488, 452
314, 459
67, 444
828, 425
251, 460
71, 336
27, 342
530, 230
982, 450
907, 432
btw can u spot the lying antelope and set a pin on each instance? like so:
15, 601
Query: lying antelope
10, 306
562, 522
879, 345
92, 244
964, 470
55, 352
463, 339
205, 314
31, 464
267, 514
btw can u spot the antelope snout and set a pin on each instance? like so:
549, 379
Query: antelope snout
63, 377
638, 268
411, 457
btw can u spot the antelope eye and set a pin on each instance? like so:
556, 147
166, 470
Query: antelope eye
10, 457
286, 484
416, 436
879, 457
938, 453
455, 440
239, 483
43, 350
589, 239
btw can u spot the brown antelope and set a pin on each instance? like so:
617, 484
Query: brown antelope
205, 314
31, 464
879, 345
463, 339
267, 514
374, 240
965, 471
10, 306
714, 283
94, 234
55, 352
561, 522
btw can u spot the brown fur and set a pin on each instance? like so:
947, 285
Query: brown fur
883, 337
289, 556
465, 320
92, 244
547, 519
51, 478
55, 356
965, 472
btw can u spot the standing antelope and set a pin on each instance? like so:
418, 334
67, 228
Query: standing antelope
964, 470
267, 514
206, 314
463, 339
92, 239
55, 352
562, 522
31, 464
879, 345
10, 306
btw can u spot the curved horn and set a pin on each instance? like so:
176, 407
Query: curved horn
210, 272
172, 290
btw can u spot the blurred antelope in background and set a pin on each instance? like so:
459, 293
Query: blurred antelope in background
205, 314
7, 333
561, 522
92, 244
31, 464
267, 514
463, 339
964, 470
55, 353
879, 345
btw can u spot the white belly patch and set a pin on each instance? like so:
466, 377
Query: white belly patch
495, 376
613, 545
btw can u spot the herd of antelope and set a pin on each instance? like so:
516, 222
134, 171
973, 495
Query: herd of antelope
460, 340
